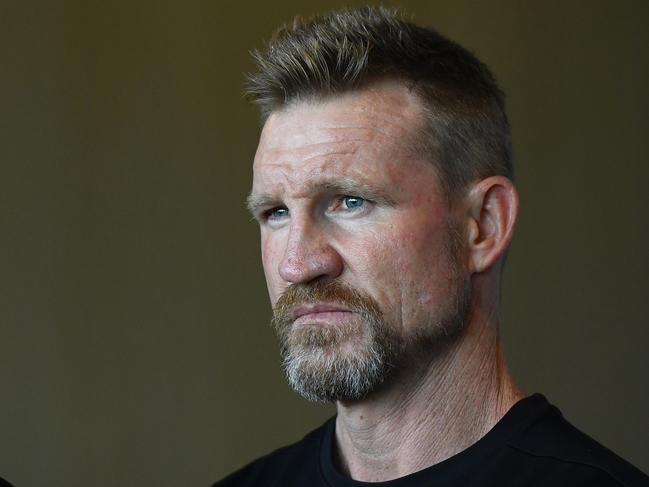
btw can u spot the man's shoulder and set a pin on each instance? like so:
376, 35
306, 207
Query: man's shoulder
533, 445
561, 451
284, 466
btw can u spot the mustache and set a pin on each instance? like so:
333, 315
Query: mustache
330, 292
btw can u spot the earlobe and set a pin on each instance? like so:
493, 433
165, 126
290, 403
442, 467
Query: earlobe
492, 212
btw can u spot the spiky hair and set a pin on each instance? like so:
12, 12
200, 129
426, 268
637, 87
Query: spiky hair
466, 129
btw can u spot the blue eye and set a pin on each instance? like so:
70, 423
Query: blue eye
353, 202
277, 213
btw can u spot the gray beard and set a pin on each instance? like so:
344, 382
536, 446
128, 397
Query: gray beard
348, 362
343, 363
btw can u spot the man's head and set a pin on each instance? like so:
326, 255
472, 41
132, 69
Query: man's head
379, 192
465, 130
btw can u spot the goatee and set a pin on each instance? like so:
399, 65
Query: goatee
341, 362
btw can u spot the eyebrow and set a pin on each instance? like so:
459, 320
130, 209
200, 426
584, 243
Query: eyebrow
344, 186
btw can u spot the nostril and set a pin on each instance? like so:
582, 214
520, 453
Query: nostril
307, 265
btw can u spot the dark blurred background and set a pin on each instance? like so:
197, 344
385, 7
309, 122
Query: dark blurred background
134, 346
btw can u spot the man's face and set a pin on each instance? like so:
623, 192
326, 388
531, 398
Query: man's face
357, 241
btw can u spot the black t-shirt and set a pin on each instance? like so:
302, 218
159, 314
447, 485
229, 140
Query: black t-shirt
532, 445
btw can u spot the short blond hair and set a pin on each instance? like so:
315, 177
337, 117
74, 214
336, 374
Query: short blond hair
466, 132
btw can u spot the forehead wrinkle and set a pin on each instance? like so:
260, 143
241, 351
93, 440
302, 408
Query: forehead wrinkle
322, 180
392, 130
272, 158
280, 174
341, 133
290, 164
305, 152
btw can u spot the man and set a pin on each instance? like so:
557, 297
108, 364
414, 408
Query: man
383, 190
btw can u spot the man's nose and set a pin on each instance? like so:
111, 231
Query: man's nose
309, 255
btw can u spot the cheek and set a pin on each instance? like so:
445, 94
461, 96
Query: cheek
418, 246
375, 263
367, 259
266, 253
270, 259
423, 266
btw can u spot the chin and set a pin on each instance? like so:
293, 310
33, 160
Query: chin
347, 368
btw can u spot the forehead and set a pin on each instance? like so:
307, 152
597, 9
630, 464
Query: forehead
367, 133
388, 108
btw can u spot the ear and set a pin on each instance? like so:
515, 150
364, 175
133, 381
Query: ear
492, 211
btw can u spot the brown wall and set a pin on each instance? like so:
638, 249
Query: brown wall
134, 348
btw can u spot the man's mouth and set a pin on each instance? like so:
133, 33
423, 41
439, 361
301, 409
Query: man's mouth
320, 314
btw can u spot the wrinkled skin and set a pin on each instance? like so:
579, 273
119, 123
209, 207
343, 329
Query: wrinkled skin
390, 240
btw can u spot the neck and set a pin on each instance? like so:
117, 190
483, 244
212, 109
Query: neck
430, 411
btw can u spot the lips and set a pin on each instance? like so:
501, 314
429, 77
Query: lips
320, 314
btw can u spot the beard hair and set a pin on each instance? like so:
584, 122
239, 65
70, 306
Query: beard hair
348, 361
342, 362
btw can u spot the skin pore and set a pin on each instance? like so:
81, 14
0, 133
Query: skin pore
341, 196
